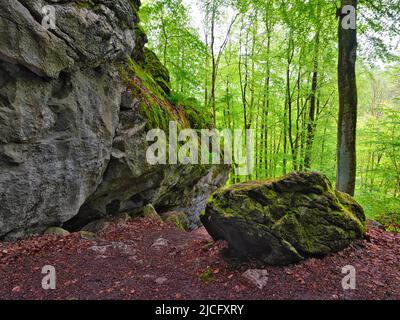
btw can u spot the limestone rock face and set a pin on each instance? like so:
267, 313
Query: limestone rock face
130, 183
60, 96
284, 221
72, 142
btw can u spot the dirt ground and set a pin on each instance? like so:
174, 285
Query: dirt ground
146, 259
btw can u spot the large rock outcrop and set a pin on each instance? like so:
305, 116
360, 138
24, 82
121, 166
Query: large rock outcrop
72, 131
284, 221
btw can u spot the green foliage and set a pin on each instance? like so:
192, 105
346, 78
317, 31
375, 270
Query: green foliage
390, 220
176, 43
379, 21
264, 82
378, 187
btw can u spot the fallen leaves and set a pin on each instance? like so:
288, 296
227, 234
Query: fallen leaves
174, 272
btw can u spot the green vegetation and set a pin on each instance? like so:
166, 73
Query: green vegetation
207, 276
391, 221
153, 102
272, 66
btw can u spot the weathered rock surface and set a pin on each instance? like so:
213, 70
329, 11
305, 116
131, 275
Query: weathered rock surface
72, 140
60, 95
284, 221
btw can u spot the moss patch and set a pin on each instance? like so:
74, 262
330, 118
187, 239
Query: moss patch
153, 103
157, 70
207, 276
87, 4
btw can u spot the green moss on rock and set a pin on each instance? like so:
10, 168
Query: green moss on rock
150, 212
178, 219
57, 231
87, 4
158, 71
153, 103
281, 221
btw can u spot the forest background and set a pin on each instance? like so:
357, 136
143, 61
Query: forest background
272, 66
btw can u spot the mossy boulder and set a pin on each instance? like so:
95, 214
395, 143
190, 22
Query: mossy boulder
57, 231
284, 221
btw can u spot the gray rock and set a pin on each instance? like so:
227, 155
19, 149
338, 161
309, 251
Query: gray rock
375, 224
59, 101
23, 39
60, 133
119, 248
72, 140
257, 277
99, 249
187, 188
160, 243
123, 217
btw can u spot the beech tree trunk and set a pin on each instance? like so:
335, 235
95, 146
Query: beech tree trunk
346, 139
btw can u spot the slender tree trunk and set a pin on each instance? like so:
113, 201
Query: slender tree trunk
165, 39
287, 121
206, 77
311, 117
323, 147
214, 67
244, 81
266, 98
298, 132
346, 139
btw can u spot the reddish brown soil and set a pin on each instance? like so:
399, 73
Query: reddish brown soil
129, 269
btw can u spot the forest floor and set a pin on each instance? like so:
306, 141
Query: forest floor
146, 259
